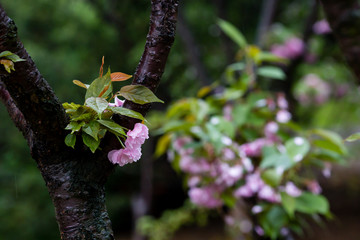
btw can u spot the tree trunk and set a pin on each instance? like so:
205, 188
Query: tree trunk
76, 178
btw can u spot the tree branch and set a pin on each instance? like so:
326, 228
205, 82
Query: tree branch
159, 40
16, 116
28, 89
344, 20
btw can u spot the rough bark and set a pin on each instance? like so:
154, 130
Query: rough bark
75, 178
344, 19
159, 40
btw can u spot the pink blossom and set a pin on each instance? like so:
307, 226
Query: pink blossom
193, 181
281, 101
292, 48
246, 162
327, 170
132, 151
321, 27
117, 103
313, 186
252, 185
259, 230
292, 190
228, 154
279, 50
194, 166
229, 175
257, 209
283, 116
207, 196
253, 149
179, 144
295, 47
227, 111
268, 193
271, 129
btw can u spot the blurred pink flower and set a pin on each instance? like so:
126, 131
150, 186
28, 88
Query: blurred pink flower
269, 194
229, 175
283, 116
271, 129
291, 49
253, 149
292, 190
321, 27
313, 186
281, 101
179, 144
207, 196
194, 166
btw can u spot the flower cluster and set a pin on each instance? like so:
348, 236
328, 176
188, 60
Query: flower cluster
132, 151
235, 168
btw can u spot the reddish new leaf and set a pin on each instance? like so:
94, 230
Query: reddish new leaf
119, 76
101, 68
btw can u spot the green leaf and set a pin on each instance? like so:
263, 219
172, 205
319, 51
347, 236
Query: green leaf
162, 145
311, 204
271, 177
83, 117
74, 126
15, 58
92, 128
297, 148
72, 105
272, 158
98, 104
90, 142
70, 140
5, 53
112, 127
232, 32
98, 85
289, 203
271, 72
127, 112
332, 140
138, 94
269, 57
353, 137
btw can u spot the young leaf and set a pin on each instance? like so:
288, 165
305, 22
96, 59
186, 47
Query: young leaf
70, 140
74, 106
334, 141
138, 94
74, 126
80, 84
162, 144
353, 137
232, 32
15, 58
112, 127
271, 72
5, 53
92, 128
98, 104
90, 142
119, 76
127, 112
8, 65
98, 85
101, 67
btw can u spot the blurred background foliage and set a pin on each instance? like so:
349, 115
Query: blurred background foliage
67, 38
